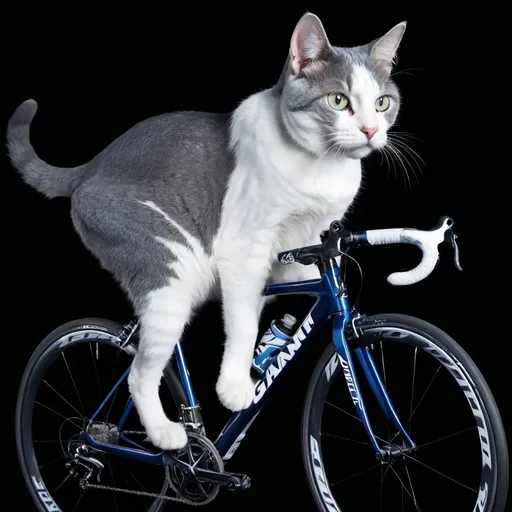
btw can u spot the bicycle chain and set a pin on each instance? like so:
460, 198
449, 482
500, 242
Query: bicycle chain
145, 493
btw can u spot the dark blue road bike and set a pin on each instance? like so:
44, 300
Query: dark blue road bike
435, 440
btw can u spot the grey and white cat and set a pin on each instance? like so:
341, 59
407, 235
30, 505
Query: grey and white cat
187, 204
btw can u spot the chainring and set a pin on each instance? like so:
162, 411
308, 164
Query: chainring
199, 452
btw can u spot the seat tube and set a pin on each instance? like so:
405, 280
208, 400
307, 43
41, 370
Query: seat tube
184, 375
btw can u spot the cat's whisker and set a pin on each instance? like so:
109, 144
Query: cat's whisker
407, 151
405, 136
408, 146
330, 134
383, 155
417, 159
402, 161
406, 71
390, 161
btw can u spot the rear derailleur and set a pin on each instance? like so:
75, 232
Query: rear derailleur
82, 465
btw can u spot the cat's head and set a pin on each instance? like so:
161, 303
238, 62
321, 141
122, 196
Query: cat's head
339, 100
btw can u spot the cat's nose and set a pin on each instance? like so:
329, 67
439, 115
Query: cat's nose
369, 132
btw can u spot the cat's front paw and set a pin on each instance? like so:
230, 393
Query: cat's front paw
235, 392
169, 436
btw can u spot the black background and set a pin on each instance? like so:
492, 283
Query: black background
95, 70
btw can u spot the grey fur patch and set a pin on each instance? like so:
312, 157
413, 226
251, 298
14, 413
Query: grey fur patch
47, 179
178, 161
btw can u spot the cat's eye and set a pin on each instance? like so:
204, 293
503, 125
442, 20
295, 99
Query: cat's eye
382, 104
338, 101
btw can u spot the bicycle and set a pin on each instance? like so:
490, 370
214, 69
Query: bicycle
195, 474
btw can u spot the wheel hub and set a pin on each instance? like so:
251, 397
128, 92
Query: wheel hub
391, 452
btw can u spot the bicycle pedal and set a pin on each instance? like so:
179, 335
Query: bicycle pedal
239, 483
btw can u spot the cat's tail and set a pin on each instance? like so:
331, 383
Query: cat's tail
46, 179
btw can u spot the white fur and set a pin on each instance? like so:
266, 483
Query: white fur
278, 197
364, 92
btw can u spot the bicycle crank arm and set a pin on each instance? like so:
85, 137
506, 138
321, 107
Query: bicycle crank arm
232, 481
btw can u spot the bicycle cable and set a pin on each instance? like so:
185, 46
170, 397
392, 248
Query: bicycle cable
354, 306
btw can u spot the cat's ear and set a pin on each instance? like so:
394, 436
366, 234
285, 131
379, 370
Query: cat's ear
309, 43
383, 50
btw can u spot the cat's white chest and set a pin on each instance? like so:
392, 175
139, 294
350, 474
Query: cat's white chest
321, 193
329, 183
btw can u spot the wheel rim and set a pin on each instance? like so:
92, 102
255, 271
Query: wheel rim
57, 405
328, 450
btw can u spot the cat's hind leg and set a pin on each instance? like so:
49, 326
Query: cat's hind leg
162, 321
165, 272
163, 318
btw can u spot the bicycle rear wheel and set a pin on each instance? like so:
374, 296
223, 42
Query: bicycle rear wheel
443, 401
64, 383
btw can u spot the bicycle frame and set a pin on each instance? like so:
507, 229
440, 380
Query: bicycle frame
331, 302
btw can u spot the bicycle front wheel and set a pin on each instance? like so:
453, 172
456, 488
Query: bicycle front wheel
461, 460
65, 381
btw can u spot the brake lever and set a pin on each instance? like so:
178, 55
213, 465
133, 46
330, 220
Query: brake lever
451, 238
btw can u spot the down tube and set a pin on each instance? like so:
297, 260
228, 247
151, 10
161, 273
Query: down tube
238, 424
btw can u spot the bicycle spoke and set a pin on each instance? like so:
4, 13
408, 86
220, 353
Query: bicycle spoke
380, 489
357, 474
77, 502
97, 376
419, 402
66, 478
138, 482
52, 462
383, 364
440, 473
354, 417
55, 441
60, 396
445, 437
112, 400
343, 411
412, 386
382, 477
58, 414
385, 379
115, 485
343, 438
410, 483
404, 488
423, 395
74, 383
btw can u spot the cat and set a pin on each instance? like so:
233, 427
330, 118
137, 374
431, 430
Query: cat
187, 205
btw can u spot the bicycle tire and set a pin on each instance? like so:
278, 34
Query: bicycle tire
46, 350
417, 333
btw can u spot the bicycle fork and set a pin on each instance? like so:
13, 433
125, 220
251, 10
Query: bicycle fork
384, 453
